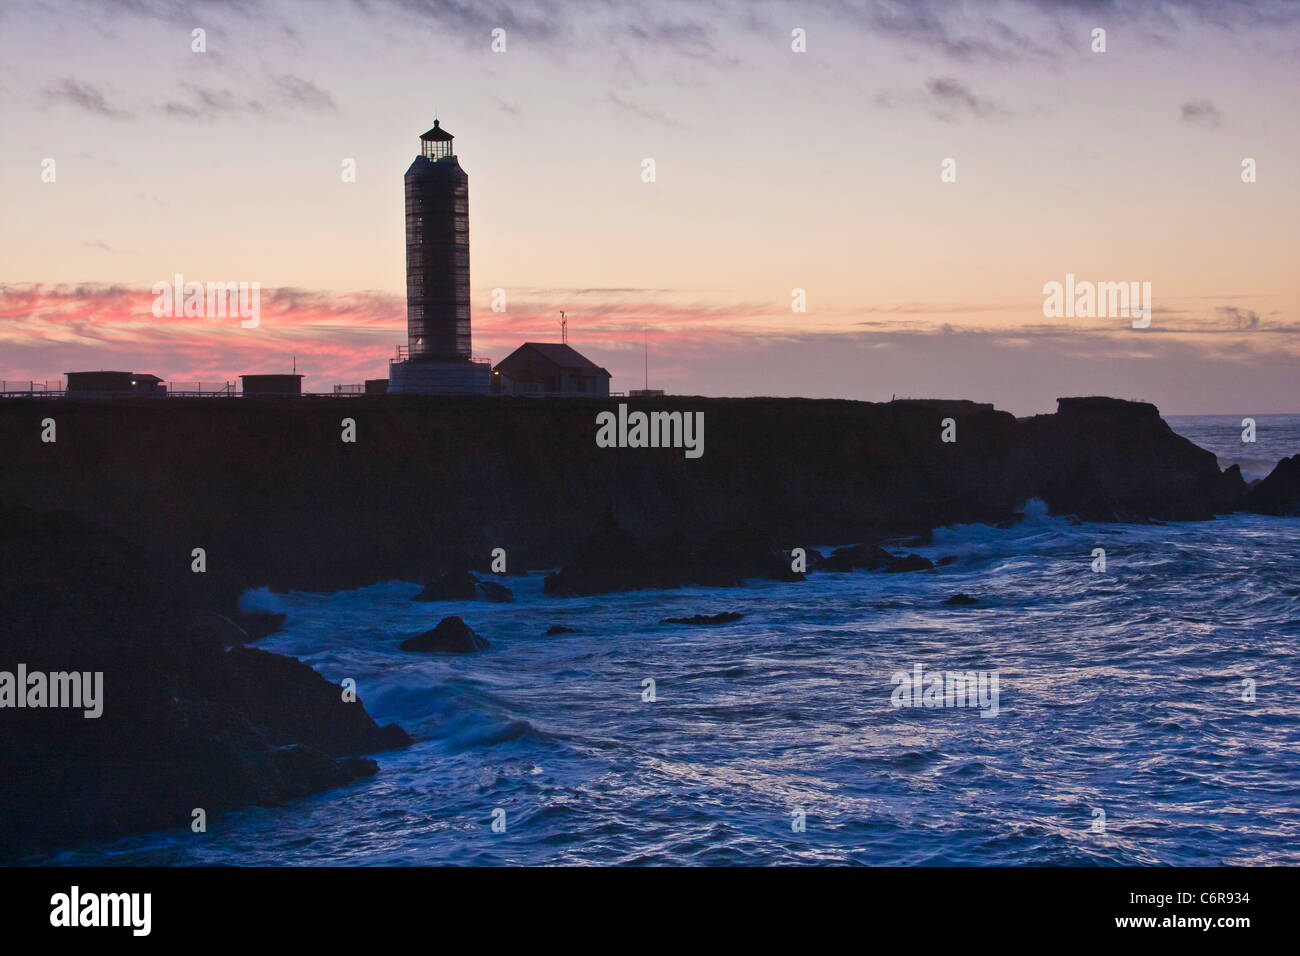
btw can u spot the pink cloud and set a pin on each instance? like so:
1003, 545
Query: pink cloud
336, 338
694, 348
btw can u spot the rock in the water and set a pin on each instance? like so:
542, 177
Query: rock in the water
309, 770
1104, 459
858, 556
1279, 493
452, 586
451, 636
261, 624
738, 554
555, 629
870, 557
815, 559
297, 705
497, 593
726, 617
912, 562
463, 586
961, 600
613, 559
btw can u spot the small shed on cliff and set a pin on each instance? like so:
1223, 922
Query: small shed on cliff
281, 385
549, 368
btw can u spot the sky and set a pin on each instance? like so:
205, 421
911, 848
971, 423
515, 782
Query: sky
775, 169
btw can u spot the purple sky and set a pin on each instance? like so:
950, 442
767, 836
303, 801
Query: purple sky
775, 170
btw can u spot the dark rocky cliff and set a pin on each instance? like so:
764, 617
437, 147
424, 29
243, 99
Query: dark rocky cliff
274, 496
184, 721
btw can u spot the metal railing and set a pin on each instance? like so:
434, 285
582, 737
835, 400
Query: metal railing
196, 390
404, 355
34, 389
31, 389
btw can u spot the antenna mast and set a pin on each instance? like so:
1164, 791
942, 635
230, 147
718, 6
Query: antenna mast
645, 341
564, 329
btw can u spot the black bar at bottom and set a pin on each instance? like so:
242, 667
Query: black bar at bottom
928, 905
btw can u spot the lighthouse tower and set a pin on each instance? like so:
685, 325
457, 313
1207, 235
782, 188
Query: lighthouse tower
437, 358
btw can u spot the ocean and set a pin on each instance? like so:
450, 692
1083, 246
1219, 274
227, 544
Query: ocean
1276, 437
1144, 712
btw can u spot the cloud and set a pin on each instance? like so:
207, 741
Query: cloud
964, 33
952, 97
296, 91
286, 90
1201, 113
46, 330
1020, 373
99, 245
696, 347
642, 112
604, 290
955, 30
952, 29
207, 101
947, 99
1197, 325
170, 11
688, 37
291, 93
83, 96
1241, 318
475, 20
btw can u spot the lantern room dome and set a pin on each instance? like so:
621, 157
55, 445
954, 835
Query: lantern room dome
436, 135
435, 145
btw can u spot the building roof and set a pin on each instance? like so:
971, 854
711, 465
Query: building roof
272, 375
135, 375
561, 355
437, 134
